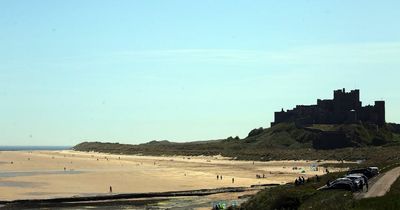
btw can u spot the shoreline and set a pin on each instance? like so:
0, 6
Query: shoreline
185, 193
201, 199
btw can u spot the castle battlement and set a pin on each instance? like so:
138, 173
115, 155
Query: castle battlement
345, 107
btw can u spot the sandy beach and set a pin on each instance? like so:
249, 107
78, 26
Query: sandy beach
50, 174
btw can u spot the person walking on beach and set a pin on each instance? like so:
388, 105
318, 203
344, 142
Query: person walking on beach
233, 180
221, 177
217, 177
110, 189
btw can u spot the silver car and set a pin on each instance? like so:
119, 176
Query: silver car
374, 170
358, 179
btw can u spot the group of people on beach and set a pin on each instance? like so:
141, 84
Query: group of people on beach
259, 176
300, 181
219, 177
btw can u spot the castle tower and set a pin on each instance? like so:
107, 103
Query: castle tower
380, 112
343, 103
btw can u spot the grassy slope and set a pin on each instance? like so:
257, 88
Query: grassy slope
283, 141
282, 136
291, 136
306, 197
300, 197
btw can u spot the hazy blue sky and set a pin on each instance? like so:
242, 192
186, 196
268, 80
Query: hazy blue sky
134, 71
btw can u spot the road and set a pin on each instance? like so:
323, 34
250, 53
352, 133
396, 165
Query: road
382, 185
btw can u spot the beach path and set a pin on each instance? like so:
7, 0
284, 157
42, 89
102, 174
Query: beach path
383, 184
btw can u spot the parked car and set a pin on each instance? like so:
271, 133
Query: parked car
342, 183
365, 178
359, 180
374, 170
369, 173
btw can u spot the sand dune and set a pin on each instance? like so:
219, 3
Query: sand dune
41, 174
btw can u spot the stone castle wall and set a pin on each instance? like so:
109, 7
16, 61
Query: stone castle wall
345, 107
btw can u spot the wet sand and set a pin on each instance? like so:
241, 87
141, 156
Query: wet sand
41, 174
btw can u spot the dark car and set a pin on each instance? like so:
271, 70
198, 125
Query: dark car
369, 173
342, 183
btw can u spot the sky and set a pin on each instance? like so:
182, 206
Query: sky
135, 71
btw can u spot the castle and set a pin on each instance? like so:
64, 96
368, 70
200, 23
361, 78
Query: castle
345, 107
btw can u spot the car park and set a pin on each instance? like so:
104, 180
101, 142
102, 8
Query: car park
354, 180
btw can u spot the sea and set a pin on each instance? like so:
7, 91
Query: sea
32, 148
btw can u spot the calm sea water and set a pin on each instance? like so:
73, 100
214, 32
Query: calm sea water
30, 148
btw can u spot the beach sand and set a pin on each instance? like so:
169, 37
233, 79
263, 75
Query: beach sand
41, 174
